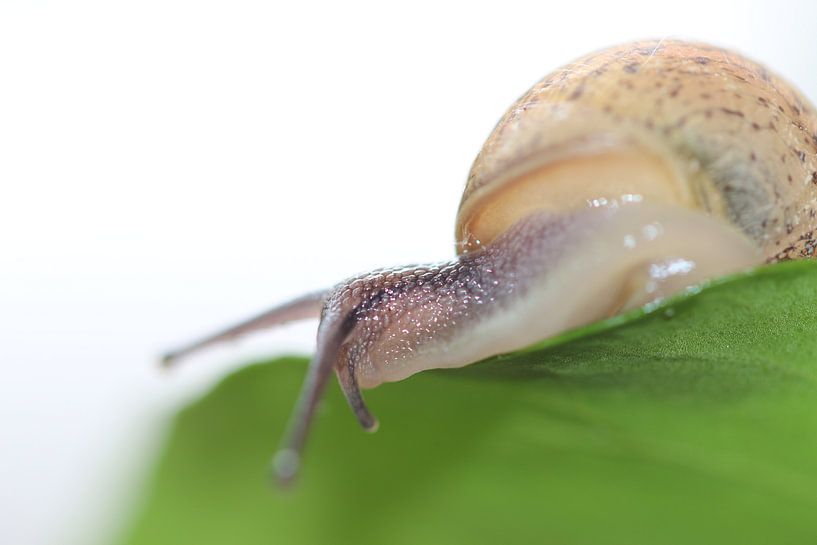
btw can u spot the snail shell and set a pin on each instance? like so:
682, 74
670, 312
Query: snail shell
623, 177
678, 123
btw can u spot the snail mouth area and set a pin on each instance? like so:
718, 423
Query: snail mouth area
571, 183
545, 275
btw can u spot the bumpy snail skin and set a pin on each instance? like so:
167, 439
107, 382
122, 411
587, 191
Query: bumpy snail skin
547, 273
615, 181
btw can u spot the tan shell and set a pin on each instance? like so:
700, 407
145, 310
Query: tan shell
719, 132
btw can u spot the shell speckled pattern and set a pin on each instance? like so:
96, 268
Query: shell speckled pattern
742, 140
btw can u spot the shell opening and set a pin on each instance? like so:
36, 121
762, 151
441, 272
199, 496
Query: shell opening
572, 183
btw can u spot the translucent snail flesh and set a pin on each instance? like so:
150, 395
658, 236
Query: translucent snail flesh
619, 179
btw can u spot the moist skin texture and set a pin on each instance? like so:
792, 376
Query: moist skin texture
742, 140
546, 274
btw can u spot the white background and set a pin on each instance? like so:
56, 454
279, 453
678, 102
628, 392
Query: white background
167, 167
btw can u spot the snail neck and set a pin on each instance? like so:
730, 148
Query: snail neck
580, 181
547, 274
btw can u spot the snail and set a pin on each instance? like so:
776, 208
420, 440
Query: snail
622, 178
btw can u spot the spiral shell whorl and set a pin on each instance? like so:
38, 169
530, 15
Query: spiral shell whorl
742, 140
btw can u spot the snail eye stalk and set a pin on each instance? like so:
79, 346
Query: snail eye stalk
331, 355
302, 308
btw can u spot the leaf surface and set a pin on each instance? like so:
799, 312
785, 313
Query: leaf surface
695, 422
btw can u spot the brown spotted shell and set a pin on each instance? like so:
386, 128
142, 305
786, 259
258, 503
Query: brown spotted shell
733, 139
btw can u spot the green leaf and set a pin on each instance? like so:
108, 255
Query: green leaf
694, 423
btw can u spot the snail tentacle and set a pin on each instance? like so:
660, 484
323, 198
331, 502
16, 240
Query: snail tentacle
332, 333
346, 371
302, 308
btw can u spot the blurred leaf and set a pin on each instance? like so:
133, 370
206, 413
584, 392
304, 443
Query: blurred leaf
694, 423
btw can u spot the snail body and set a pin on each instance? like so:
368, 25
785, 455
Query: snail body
617, 180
